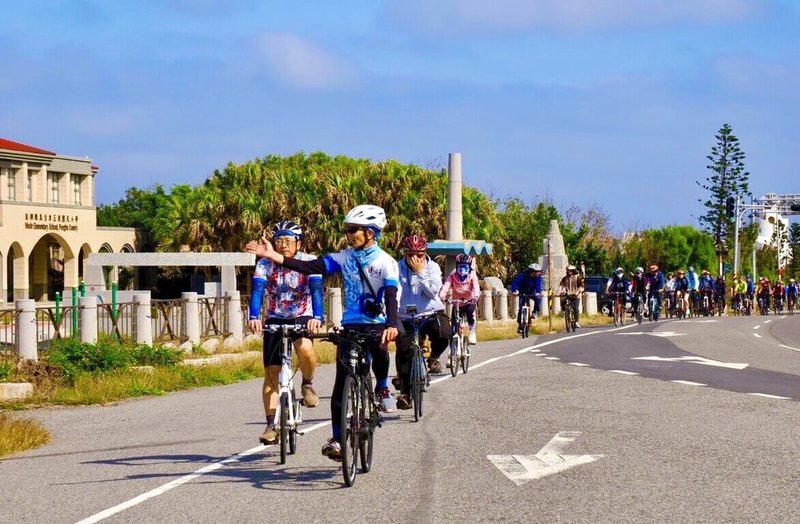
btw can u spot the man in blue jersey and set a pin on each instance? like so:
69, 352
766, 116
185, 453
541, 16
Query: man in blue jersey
288, 301
371, 294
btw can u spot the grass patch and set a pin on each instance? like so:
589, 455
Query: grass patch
18, 434
541, 326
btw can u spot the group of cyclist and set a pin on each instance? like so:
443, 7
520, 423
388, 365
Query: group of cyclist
687, 293
380, 297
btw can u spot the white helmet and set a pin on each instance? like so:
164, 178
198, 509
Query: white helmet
367, 215
639, 270
535, 267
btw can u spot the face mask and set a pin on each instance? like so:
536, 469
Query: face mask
463, 270
619, 274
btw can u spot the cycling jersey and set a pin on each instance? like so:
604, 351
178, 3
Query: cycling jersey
657, 281
469, 289
639, 285
526, 284
791, 290
617, 284
681, 284
706, 284
420, 290
778, 290
288, 294
691, 278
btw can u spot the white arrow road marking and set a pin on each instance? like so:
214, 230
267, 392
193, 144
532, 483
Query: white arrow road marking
695, 360
662, 334
756, 335
548, 461
757, 327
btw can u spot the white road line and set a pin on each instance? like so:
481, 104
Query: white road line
235, 458
540, 354
767, 321
687, 383
788, 347
769, 396
621, 372
757, 327
756, 335
552, 358
578, 364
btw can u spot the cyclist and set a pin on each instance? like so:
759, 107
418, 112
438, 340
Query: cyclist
719, 290
464, 282
706, 287
420, 282
694, 287
657, 283
778, 292
681, 289
751, 288
669, 292
764, 292
528, 284
740, 291
617, 286
791, 293
371, 287
289, 301
571, 288
638, 288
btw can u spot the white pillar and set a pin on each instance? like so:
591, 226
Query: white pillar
502, 303
514, 305
144, 324
454, 203
88, 318
335, 310
191, 319
26, 329
486, 304
228, 279
233, 314
544, 307
590, 303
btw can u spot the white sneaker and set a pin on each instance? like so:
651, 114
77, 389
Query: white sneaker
472, 338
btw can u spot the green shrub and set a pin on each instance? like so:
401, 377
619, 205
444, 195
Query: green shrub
6, 369
144, 355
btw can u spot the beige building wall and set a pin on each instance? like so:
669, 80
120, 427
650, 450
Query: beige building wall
36, 235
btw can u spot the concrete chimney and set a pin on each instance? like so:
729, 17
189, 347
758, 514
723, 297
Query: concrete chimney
454, 204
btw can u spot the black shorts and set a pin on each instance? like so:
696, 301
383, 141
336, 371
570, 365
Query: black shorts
273, 347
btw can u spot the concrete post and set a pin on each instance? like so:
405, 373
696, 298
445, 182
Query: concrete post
26, 329
228, 278
544, 308
454, 204
335, 310
514, 305
590, 303
191, 320
144, 324
234, 319
502, 303
556, 305
486, 299
88, 318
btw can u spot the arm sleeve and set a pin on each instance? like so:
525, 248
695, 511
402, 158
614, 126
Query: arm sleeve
515, 283
390, 300
476, 287
256, 297
307, 267
445, 288
431, 281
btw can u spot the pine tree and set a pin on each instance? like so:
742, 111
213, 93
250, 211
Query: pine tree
728, 179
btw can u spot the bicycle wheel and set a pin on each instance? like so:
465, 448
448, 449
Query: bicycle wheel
284, 426
369, 415
417, 366
465, 352
350, 424
523, 322
568, 317
293, 429
639, 312
616, 313
454, 355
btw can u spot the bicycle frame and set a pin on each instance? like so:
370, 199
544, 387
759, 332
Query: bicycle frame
459, 343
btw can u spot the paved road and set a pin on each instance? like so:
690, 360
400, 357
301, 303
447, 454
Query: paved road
672, 452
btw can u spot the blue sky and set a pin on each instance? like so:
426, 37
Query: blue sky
584, 102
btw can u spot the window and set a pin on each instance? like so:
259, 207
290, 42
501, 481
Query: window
76, 189
12, 184
52, 181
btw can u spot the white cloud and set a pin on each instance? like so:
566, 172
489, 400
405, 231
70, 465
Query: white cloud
457, 16
301, 63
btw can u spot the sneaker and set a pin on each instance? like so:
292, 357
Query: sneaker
577, 325
270, 436
473, 339
310, 397
434, 366
387, 403
396, 383
519, 330
403, 401
332, 450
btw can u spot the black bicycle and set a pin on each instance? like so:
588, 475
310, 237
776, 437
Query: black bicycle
638, 311
524, 315
570, 313
418, 372
360, 416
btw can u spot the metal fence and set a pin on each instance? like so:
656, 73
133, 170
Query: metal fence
212, 317
167, 319
54, 323
116, 325
8, 331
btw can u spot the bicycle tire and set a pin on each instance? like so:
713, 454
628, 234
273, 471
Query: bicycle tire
417, 366
568, 316
368, 414
465, 355
639, 312
523, 321
616, 314
284, 426
350, 425
526, 328
454, 356
293, 429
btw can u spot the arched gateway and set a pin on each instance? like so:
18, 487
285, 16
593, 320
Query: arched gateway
48, 222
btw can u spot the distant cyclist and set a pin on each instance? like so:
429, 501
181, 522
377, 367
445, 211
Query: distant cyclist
706, 286
657, 283
571, 288
778, 292
529, 284
764, 293
618, 286
464, 282
719, 291
694, 288
371, 283
420, 282
791, 293
289, 301
638, 287
681, 290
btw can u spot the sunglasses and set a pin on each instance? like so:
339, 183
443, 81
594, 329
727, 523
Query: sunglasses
352, 230
415, 253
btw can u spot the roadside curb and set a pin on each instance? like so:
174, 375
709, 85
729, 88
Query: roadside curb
15, 390
222, 358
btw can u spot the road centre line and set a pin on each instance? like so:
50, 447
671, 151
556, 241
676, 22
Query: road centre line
687, 383
579, 364
788, 347
767, 321
97, 517
758, 326
756, 335
621, 372
769, 396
